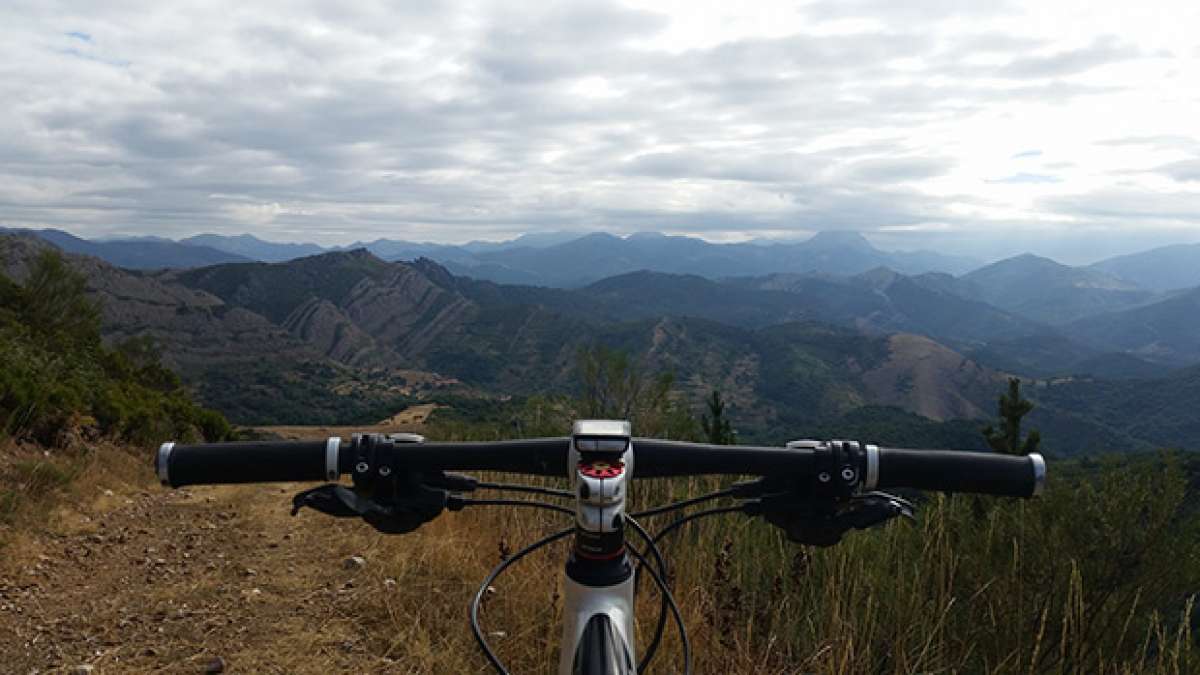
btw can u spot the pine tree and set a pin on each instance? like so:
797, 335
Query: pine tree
717, 428
1007, 439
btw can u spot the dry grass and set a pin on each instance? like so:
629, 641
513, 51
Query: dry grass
987, 587
907, 599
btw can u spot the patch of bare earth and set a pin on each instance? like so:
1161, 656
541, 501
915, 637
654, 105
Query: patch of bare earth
125, 576
930, 379
411, 419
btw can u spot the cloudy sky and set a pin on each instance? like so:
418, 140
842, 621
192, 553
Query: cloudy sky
1072, 128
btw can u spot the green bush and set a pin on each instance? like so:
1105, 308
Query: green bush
56, 368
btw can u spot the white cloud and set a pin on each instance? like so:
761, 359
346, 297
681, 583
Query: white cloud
485, 119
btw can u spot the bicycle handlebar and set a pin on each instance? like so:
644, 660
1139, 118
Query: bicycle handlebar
293, 461
974, 472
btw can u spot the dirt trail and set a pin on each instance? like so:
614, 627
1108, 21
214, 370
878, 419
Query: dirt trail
170, 580
411, 419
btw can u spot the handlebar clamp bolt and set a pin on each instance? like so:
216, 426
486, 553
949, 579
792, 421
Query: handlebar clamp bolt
823, 477
385, 471
848, 475
362, 467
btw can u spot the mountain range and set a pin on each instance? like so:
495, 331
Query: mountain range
1025, 314
141, 253
337, 333
1161, 269
544, 259
1168, 268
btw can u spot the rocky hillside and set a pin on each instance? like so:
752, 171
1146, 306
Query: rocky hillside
244, 327
236, 359
347, 337
350, 306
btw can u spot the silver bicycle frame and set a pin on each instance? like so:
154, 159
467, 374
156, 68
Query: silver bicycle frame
598, 614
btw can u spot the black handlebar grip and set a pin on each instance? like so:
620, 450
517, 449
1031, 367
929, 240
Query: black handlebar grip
952, 471
247, 462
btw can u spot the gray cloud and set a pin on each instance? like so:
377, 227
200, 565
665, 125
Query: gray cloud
897, 169
1103, 51
916, 10
455, 121
1161, 142
1027, 179
1126, 205
1185, 171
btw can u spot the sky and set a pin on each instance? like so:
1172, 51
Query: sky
984, 128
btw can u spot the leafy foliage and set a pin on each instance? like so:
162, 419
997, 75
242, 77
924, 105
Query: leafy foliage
718, 430
59, 374
300, 392
1007, 439
1097, 576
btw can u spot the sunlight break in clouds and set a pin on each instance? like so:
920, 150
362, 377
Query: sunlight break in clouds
935, 123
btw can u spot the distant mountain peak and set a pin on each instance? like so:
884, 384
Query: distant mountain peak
1033, 257
599, 236
1024, 261
839, 239
1162, 269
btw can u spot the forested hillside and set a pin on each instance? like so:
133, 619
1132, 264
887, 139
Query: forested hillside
346, 337
59, 379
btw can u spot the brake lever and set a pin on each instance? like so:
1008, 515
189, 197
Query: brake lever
397, 513
820, 522
876, 508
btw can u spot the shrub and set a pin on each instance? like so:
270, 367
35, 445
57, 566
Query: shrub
57, 368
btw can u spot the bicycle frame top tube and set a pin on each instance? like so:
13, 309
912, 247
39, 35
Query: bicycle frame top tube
598, 579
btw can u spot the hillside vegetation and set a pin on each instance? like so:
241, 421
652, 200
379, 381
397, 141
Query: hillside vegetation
1099, 576
345, 338
58, 371
62, 388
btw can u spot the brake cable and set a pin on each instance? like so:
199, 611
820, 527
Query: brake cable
456, 503
668, 600
699, 514
491, 578
533, 489
727, 492
661, 624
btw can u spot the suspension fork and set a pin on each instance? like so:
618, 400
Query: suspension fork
598, 582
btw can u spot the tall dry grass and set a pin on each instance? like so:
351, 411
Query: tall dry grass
1098, 577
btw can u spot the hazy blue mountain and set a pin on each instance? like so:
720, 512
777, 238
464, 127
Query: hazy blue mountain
307, 337
599, 255
395, 249
1161, 269
140, 237
1166, 332
646, 294
138, 253
884, 301
531, 240
495, 272
1047, 291
253, 248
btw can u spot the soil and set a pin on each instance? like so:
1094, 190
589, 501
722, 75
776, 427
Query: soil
187, 581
